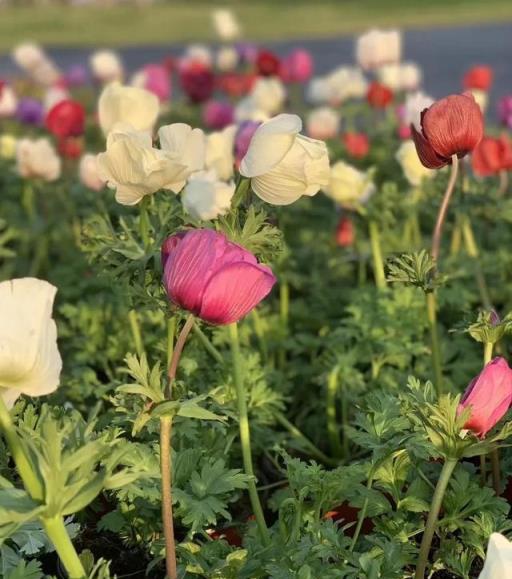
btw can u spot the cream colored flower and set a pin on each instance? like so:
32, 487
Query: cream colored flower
227, 58
220, 152
38, 159
414, 105
378, 47
284, 165
247, 110
205, 197
268, 95
400, 77
323, 123
28, 55
8, 146
135, 169
8, 102
481, 98
184, 145
411, 76
128, 105
53, 96
198, 53
345, 82
106, 66
348, 186
30, 362
88, 172
498, 562
412, 167
225, 24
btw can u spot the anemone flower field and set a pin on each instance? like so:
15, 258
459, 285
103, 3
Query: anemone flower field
254, 320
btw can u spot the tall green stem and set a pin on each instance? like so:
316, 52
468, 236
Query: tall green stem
472, 249
443, 210
378, 263
245, 434
171, 331
434, 339
435, 507
284, 311
362, 513
332, 422
136, 333
144, 222
56, 530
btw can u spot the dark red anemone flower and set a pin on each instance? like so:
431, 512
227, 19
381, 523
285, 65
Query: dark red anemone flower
267, 63
66, 119
451, 126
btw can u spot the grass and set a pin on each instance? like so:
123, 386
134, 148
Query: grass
180, 20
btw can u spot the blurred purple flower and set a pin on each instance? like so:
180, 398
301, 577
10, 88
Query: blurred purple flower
217, 114
77, 75
243, 138
505, 111
30, 111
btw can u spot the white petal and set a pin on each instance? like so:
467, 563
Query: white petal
269, 144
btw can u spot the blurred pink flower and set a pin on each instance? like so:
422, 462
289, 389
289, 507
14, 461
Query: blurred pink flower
217, 114
213, 278
297, 66
489, 396
158, 81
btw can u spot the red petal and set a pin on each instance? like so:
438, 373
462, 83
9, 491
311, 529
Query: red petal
428, 157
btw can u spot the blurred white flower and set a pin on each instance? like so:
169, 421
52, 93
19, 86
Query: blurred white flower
135, 169
28, 55
30, 362
225, 24
400, 77
318, 91
323, 123
348, 186
8, 102
198, 53
54, 95
378, 47
88, 171
413, 168
37, 158
346, 82
220, 152
227, 58
46, 73
284, 165
106, 66
498, 562
268, 95
247, 110
127, 104
205, 197
415, 103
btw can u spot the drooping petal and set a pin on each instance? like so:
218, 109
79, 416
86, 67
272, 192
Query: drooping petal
234, 291
498, 561
270, 143
426, 153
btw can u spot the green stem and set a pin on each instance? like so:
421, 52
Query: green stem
472, 249
171, 331
378, 263
293, 430
242, 188
284, 311
56, 531
260, 334
136, 333
245, 434
332, 423
25, 470
144, 222
28, 200
167, 514
362, 513
435, 507
434, 338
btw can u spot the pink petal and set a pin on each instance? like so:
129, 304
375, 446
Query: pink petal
234, 291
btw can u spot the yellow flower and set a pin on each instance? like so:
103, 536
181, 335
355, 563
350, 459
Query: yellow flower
8, 146
412, 167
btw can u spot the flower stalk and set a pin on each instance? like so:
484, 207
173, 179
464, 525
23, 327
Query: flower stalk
435, 507
378, 263
245, 434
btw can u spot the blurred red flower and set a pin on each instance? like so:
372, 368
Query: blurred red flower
66, 119
267, 63
478, 77
379, 95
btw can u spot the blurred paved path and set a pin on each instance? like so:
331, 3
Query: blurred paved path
443, 53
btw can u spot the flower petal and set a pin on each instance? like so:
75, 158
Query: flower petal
234, 291
269, 144
426, 153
